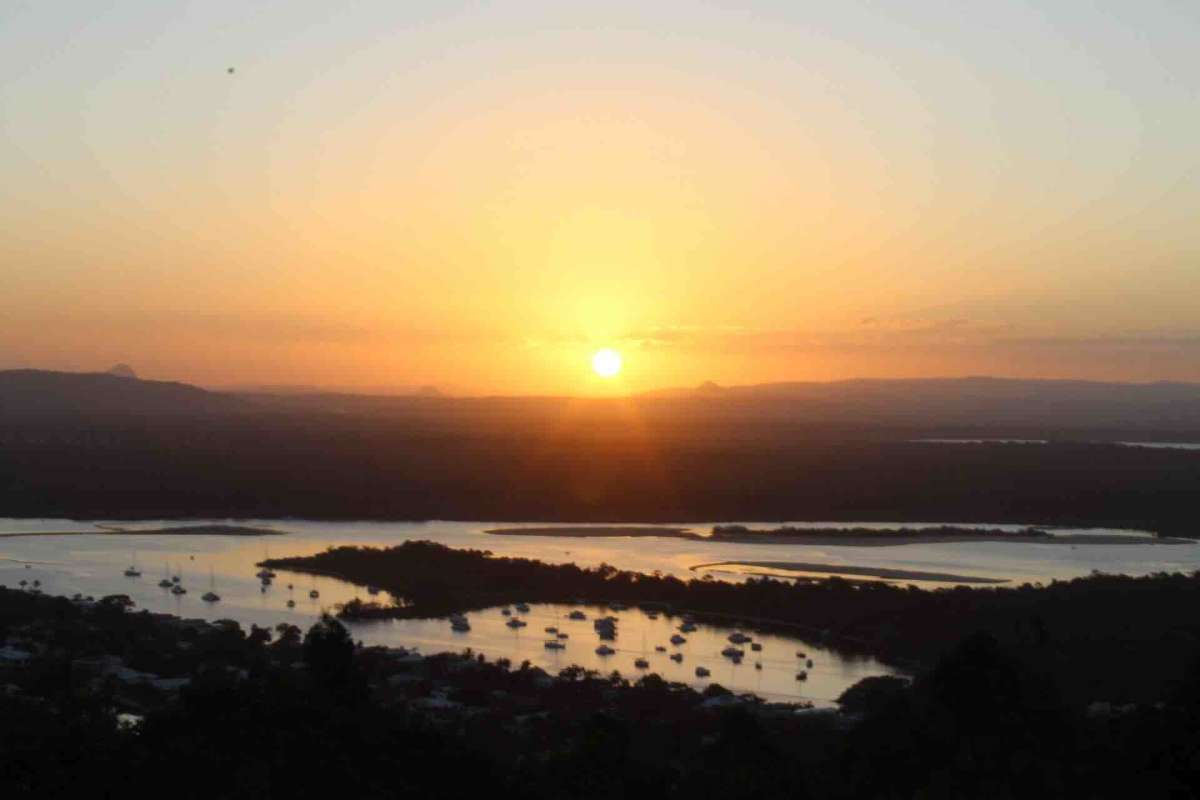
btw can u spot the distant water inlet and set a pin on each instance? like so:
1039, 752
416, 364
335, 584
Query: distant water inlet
1163, 445
1150, 445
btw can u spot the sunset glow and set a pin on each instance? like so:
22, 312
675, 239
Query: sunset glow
475, 197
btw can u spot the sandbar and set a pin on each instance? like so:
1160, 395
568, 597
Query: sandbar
885, 573
184, 530
597, 531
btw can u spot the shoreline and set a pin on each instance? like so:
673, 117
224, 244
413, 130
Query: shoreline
826, 538
890, 540
831, 570
189, 530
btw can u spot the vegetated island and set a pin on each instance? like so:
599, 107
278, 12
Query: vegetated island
885, 573
1106, 637
833, 536
886, 537
183, 530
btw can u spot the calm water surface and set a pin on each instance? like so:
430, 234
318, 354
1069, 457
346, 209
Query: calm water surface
93, 565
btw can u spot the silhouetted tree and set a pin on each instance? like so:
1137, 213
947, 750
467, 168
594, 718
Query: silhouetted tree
329, 655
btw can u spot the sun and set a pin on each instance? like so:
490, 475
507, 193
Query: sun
606, 363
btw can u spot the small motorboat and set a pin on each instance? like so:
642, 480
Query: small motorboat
291, 603
678, 640
314, 594
604, 650
551, 629
800, 654
756, 647
676, 657
687, 627
562, 635
521, 607
758, 665
506, 612
177, 590
808, 663
515, 623
554, 644
702, 672
641, 663
658, 648
803, 676
459, 623
732, 652
577, 615
132, 572
737, 637
165, 584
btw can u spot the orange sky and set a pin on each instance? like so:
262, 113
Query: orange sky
478, 199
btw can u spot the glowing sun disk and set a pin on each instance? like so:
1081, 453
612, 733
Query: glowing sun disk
606, 363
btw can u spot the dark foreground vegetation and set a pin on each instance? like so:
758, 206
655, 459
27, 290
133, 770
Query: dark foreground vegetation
222, 713
76, 446
1102, 638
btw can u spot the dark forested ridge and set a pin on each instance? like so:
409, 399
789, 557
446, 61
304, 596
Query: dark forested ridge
641, 459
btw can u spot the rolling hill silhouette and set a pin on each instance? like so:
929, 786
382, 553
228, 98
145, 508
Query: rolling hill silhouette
42, 392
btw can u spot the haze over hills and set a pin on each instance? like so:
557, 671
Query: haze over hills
300, 389
122, 371
933, 403
96, 445
975, 401
42, 392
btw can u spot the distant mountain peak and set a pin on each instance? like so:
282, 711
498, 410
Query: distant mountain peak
123, 371
710, 387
